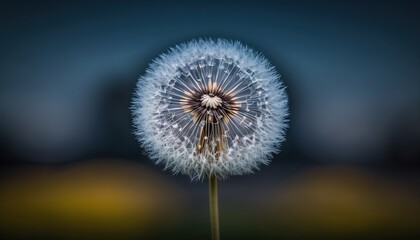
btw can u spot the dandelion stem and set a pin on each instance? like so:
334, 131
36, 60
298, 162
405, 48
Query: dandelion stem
214, 208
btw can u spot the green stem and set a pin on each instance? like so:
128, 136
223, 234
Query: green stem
214, 208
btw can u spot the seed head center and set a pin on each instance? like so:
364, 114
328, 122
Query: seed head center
211, 101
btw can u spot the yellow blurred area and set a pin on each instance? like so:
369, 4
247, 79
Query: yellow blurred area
102, 197
344, 201
117, 199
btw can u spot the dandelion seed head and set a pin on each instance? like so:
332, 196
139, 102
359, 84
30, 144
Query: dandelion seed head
210, 107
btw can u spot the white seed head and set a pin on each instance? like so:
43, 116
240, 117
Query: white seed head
210, 101
210, 107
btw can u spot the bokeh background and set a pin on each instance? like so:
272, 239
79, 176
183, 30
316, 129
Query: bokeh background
71, 168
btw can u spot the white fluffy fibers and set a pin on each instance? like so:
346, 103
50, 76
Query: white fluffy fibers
210, 107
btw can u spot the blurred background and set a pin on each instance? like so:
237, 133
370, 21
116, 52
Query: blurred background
71, 168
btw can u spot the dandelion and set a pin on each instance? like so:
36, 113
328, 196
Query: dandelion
210, 108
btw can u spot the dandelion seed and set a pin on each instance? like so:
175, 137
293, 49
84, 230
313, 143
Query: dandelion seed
210, 108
